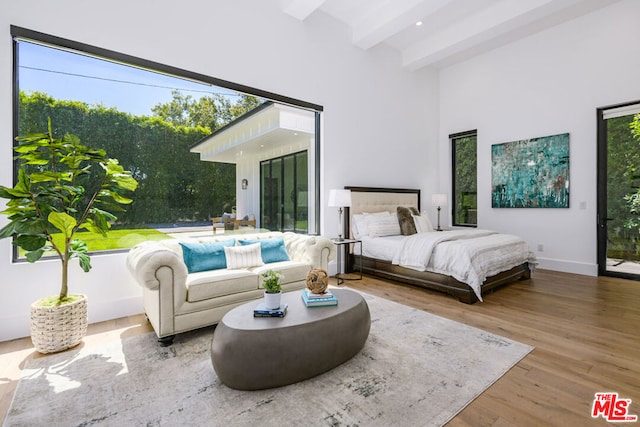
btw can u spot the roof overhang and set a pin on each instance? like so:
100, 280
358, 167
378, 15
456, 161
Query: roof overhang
270, 128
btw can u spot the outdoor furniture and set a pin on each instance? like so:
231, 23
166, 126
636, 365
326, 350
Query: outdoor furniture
224, 222
229, 222
254, 353
244, 223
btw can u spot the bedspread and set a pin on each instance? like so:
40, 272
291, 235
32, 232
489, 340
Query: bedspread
470, 256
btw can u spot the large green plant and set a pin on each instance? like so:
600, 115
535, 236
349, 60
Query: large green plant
63, 186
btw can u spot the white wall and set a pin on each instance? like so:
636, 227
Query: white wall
546, 84
378, 126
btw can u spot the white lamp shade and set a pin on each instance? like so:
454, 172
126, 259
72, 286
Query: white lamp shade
339, 198
439, 199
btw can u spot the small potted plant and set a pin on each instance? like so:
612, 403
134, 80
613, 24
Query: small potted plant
62, 187
272, 289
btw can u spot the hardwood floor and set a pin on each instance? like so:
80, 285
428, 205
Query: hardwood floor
585, 330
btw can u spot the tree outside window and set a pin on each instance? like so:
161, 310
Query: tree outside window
465, 178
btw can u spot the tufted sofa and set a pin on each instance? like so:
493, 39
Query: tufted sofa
183, 291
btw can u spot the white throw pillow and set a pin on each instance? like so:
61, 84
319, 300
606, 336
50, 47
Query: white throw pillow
243, 256
380, 226
360, 223
423, 225
357, 223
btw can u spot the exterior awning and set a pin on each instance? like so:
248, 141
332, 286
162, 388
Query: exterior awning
264, 132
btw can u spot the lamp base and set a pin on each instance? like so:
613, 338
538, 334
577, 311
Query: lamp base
340, 226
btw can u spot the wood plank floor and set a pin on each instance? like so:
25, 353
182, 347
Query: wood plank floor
585, 330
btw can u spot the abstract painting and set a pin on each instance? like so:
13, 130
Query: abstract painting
531, 173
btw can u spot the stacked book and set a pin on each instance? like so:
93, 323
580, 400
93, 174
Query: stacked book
262, 311
318, 300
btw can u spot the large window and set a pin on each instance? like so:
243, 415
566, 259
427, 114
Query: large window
465, 178
148, 116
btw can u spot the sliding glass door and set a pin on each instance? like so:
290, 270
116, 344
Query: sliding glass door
619, 191
284, 193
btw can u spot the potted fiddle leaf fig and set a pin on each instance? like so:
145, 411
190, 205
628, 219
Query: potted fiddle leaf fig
63, 187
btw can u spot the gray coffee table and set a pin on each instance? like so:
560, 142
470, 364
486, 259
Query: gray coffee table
256, 353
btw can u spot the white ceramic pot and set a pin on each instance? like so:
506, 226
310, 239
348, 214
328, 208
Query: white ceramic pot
272, 301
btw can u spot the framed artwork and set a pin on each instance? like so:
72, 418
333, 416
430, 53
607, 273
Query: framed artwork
531, 173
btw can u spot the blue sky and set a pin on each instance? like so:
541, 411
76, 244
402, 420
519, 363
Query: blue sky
70, 76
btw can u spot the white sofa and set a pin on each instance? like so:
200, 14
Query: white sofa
176, 300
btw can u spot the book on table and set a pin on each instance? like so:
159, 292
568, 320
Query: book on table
326, 294
318, 302
262, 311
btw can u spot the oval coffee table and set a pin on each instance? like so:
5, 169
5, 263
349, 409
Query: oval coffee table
254, 353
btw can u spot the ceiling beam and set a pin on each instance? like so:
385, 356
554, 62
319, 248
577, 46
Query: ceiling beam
301, 9
502, 22
391, 18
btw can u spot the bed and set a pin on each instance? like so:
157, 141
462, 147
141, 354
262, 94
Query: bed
465, 263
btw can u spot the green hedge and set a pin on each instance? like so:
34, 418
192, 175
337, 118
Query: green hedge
174, 185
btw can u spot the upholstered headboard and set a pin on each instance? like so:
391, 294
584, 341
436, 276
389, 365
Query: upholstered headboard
375, 199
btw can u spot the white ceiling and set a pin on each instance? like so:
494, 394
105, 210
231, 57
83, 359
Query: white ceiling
451, 30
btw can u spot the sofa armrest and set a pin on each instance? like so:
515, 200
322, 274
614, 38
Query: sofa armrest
145, 259
314, 250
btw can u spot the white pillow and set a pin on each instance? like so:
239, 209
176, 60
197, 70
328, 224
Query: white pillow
360, 223
357, 224
243, 256
423, 225
380, 226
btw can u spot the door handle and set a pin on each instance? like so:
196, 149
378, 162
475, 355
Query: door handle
602, 223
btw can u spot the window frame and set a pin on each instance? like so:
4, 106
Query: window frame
454, 202
24, 34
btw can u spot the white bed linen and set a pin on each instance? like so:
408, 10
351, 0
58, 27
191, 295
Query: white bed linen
380, 247
469, 256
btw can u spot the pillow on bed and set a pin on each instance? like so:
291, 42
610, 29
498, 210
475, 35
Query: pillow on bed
360, 223
422, 223
380, 226
405, 219
357, 224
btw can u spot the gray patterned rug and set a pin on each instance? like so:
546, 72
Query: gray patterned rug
415, 369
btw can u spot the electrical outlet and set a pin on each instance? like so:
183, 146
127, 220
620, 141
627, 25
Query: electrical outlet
540, 247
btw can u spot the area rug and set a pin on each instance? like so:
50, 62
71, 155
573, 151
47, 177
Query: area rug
415, 369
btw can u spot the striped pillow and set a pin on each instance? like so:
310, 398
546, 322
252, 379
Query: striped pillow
381, 226
243, 256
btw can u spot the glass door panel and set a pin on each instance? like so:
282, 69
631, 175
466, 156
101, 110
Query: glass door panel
284, 193
619, 196
302, 194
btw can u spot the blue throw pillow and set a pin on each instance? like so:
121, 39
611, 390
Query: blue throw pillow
273, 250
205, 256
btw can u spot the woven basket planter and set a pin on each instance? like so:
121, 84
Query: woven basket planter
58, 327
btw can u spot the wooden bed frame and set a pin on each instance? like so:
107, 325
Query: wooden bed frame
371, 200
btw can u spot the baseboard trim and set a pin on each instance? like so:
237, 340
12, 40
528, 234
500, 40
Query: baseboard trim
18, 326
566, 266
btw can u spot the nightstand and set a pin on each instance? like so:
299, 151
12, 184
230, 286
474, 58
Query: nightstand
343, 245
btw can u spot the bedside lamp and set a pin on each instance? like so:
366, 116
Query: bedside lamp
340, 199
439, 200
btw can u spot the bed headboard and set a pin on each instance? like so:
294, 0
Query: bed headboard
376, 199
